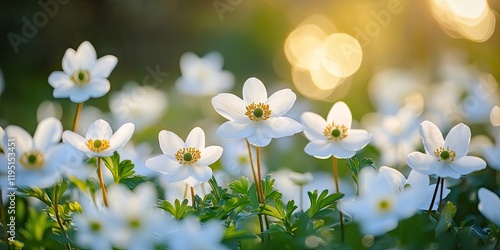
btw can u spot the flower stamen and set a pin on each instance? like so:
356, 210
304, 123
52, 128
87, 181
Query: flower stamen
32, 160
81, 77
384, 205
445, 154
258, 112
187, 155
335, 132
97, 145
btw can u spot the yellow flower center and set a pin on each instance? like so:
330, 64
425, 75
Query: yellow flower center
32, 160
384, 205
335, 132
445, 154
97, 145
81, 77
258, 112
95, 226
187, 155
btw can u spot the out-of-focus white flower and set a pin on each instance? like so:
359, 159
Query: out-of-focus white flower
38, 157
445, 157
415, 180
394, 135
84, 75
141, 105
192, 235
401, 84
100, 140
235, 159
48, 109
491, 152
256, 117
488, 205
185, 161
333, 136
138, 154
378, 208
203, 76
495, 116
95, 227
300, 179
140, 220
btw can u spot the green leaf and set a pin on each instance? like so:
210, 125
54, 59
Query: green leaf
178, 210
322, 201
445, 223
240, 186
38, 193
123, 172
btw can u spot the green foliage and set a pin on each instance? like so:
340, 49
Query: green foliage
355, 165
123, 172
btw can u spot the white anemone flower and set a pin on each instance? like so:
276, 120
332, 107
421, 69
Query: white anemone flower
100, 140
333, 136
192, 235
140, 221
83, 75
495, 116
491, 152
185, 161
39, 157
95, 227
445, 157
203, 76
256, 117
488, 205
416, 180
378, 208
141, 105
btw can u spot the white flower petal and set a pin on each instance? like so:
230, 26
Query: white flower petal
187, 61
162, 164
78, 95
58, 78
458, 139
97, 87
103, 66
495, 116
488, 205
356, 140
196, 138
121, 136
418, 180
75, 140
209, 155
394, 178
313, 125
319, 149
48, 132
431, 136
24, 141
70, 62
170, 143
260, 139
214, 59
281, 102
232, 129
468, 164
254, 91
446, 171
86, 55
99, 130
199, 173
180, 174
230, 107
491, 156
282, 126
423, 163
340, 114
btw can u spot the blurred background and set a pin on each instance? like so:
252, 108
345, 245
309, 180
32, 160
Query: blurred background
414, 41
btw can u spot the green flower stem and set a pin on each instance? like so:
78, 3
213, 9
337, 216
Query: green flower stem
337, 189
434, 195
258, 184
77, 116
192, 197
56, 212
255, 179
441, 194
101, 182
259, 176
2, 218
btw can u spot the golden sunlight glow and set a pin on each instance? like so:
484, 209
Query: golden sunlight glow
321, 59
343, 54
471, 19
